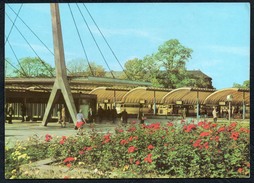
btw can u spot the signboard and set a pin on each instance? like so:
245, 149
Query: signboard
222, 103
179, 102
142, 101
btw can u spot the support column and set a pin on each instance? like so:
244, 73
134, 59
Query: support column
243, 106
154, 103
61, 83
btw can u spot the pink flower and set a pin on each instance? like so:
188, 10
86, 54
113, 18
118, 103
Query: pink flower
137, 162
203, 134
123, 142
148, 159
234, 135
131, 149
69, 159
150, 147
48, 137
170, 124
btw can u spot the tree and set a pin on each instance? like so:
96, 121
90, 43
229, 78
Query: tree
172, 58
134, 69
9, 68
34, 67
246, 84
80, 67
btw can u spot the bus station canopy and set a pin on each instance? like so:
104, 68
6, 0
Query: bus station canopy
109, 94
239, 95
186, 95
148, 94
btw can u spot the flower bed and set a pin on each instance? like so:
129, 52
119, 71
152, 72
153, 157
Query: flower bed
174, 151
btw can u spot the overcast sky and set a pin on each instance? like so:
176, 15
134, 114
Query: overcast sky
218, 34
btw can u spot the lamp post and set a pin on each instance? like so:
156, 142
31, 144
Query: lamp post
229, 99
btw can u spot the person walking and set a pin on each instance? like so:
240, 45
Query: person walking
214, 115
114, 114
59, 116
90, 115
23, 112
124, 117
184, 113
10, 113
63, 122
100, 113
80, 122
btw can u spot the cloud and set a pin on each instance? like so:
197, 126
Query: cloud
237, 50
127, 32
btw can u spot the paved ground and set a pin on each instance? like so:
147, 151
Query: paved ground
22, 131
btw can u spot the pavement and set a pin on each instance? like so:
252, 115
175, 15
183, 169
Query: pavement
22, 131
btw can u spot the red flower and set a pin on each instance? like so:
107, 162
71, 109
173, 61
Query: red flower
89, 148
48, 137
201, 123
81, 152
244, 130
217, 138
64, 137
234, 135
133, 122
137, 162
197, 143
203, 134
131, 129
189, 127
107, 136
170, 124
131, 149
214, 125
62, 142
69, 159
106, 141
239, 170
66, 177
68, 165
150, 147
206, 145
148, 159
221, 129
123, 142
120, 130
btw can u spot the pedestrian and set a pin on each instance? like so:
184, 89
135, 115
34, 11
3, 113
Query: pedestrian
114, 114
100, 113
80, 122
141, 117
10, 113
59, 116
214, 115
184, 113
63, 122
90, 115
23, 111
124, 117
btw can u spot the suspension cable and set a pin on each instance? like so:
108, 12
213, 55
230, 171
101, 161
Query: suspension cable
44, 64
17, 59
13, 25
106, 42
81, 40
95, 41
31, 30
35, 34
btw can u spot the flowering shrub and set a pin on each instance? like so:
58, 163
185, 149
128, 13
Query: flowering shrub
181, 151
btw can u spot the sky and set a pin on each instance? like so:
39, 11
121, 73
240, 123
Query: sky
218, 34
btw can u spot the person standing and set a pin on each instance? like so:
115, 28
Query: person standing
23, 111
80, 122
214, 115
141, 116
124, 116
100, 113
10, 113
90, 115
63, 124
6, 112
184, 113
59, 116
114, 114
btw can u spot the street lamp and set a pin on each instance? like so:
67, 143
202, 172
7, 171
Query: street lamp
229, 99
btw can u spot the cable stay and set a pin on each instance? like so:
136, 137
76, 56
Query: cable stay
13, 24
17, 58
44, 64
106, 41
95, 41
81, 41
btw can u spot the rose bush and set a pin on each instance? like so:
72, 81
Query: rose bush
182, 151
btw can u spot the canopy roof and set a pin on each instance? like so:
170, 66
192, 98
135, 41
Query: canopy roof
108, 93
239, 95
187, 95
145, 93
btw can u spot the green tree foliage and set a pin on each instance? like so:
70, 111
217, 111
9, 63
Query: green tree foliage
246, 84
34, 67
172, 58
80, 67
